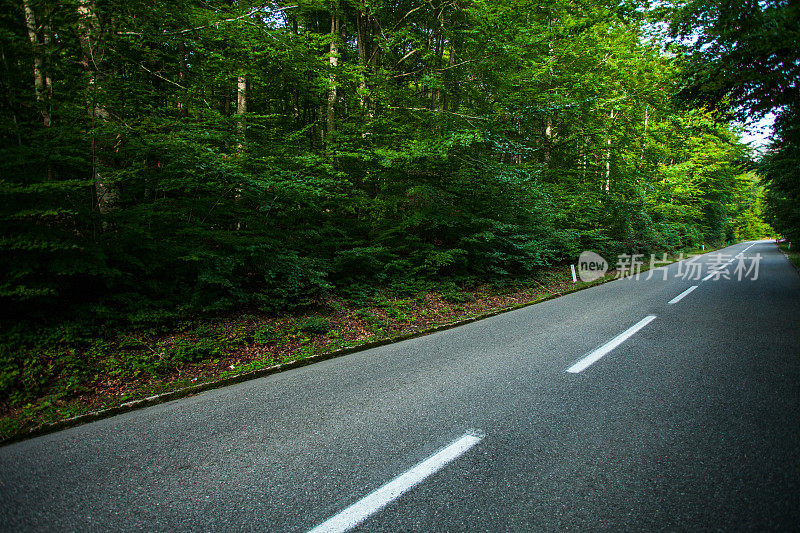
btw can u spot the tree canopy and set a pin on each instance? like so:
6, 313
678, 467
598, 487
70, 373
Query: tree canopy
163, 158
744, 60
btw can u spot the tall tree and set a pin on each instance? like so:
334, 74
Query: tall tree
39, 80
745, 60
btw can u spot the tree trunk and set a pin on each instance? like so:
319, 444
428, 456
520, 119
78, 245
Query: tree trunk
607, 185
334, 63
295, 86
183, 105
583, 141
48, 80
644, 136
39, 86
548, 129
241, 95
241, 109
361, 45
89, 31
548, 138
241, 106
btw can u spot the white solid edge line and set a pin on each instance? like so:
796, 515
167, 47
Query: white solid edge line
380, 498
605, 349
680, 297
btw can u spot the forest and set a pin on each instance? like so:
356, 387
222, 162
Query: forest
164, 160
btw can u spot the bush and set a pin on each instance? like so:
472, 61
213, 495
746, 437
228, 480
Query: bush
264, 335
32, 373
186, 351
315, 325
458, 297
373, 321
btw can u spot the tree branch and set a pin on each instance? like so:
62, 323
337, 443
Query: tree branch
216, 23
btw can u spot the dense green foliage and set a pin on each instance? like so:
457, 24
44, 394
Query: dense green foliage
744, 60
781, 170
164, 158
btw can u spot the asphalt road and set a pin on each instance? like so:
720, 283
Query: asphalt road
690, 423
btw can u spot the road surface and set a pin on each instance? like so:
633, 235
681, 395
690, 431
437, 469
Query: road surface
606, 409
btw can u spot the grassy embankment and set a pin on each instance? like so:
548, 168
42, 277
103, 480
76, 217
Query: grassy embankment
793, 253
106, 374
